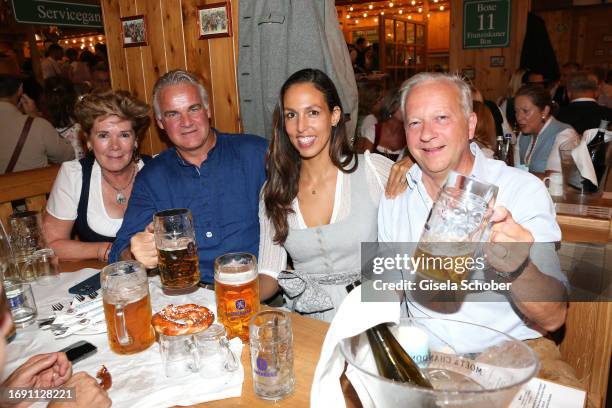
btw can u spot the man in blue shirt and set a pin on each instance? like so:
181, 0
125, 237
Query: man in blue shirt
217, 176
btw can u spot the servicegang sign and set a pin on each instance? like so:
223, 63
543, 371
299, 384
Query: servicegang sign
57, 13
486, 23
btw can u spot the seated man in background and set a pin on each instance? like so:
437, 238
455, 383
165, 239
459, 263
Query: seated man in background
217, 176
583, 111
439, 126
27, 142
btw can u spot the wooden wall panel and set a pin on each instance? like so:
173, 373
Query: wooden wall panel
174, 42
112, 30
172, 31
491, 81
578, 34
438, 32
197, 51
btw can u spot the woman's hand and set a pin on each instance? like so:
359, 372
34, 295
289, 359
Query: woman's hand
143, 247
87, 393
397, 182
40, 371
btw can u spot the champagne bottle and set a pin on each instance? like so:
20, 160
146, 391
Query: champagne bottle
597, 151
509, 149
499, 148
392, 360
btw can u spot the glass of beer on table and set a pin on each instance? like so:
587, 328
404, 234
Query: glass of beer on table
177, 251
127, 307
237, 292
456, 226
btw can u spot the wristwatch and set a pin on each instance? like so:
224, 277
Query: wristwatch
512, 276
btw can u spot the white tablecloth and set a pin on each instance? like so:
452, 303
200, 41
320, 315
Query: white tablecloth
138, 379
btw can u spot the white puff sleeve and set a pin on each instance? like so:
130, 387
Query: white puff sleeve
64, 198
272, 257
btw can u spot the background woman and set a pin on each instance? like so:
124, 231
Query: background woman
386, 136
320, 200
90, 196
541, 134
484, 135
59, 98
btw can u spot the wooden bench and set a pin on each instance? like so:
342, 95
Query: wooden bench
33, 186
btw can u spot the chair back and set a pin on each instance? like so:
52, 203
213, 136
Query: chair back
32, 186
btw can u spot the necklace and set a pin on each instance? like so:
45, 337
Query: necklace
120, 197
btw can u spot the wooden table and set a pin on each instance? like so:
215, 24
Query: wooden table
308, 336
594, 227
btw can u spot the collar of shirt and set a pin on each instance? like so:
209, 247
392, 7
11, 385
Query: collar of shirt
209, 157
583, 100
9, 107
415, 174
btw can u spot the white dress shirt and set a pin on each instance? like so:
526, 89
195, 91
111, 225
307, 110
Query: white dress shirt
523, 194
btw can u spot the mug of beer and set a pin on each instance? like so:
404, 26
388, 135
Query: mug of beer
176, 249
457, 223
127, 307
237, 292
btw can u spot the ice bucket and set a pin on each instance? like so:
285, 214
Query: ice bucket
464, 371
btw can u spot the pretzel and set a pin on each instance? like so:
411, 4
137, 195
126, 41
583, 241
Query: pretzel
183, 319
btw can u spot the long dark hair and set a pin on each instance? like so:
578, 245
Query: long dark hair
59, 99
283, 161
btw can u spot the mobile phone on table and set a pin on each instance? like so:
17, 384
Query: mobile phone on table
87, 286
79, 350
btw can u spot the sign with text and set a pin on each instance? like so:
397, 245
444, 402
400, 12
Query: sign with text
486, 23
57, 13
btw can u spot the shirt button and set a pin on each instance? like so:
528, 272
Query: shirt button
208, 234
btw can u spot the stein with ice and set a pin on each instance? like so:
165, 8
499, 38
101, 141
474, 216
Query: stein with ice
456, 225
237, 292
177, 251
127, 307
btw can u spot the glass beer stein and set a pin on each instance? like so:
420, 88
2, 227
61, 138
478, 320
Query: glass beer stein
177, 251
127, 307
25, 238
237, 292
457, 223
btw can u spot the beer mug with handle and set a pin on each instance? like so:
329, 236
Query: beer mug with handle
237, 292
457, 224
127, 307
177, 251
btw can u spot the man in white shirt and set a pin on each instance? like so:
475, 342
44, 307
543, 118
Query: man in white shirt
51, 64
439, 125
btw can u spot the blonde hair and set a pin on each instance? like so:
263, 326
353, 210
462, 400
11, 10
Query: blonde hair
515, 83
105, 104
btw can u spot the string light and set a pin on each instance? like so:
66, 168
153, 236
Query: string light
370, 7
351, 8
390, 4
382, 13
376, 20
441, 8
365, 15
409, 17
348, 16
413, 2
356, 21
420, 9
401, 11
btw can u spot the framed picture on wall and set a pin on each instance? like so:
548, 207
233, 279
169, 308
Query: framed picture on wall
215, 20
134, 31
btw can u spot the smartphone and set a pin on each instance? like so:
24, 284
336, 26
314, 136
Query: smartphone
79, 350
87, 286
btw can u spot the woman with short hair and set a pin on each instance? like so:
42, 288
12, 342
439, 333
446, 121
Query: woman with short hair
89, 196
